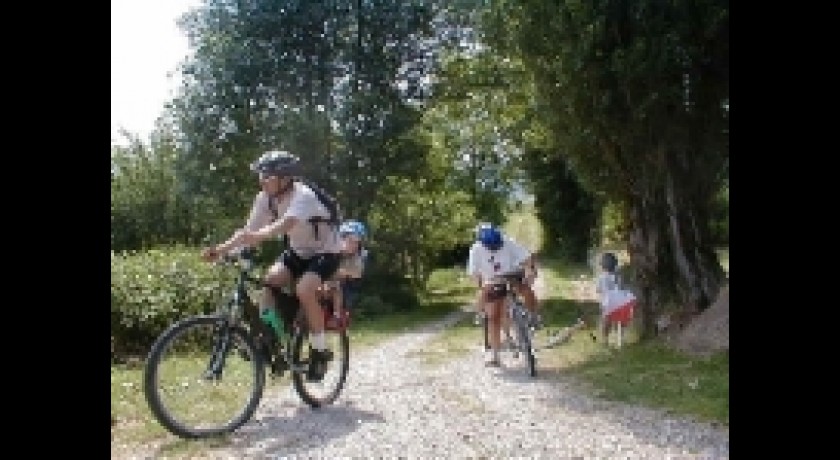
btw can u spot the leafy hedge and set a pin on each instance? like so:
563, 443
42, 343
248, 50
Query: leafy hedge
152, 289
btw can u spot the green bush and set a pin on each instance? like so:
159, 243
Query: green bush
383, 294
152, 289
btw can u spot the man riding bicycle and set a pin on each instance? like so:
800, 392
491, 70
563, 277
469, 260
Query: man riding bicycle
492, 254
287, 206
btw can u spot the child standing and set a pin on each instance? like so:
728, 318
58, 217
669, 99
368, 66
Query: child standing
616, 304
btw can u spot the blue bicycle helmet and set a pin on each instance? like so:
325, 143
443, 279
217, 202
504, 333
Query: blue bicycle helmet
353, 226
490, 237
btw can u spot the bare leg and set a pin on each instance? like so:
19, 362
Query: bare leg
504, 319
277, 275
605, 330
338, 297
494, 324
307, 292
528, 297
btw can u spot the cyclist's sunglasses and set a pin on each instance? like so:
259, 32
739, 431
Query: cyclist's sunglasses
268, 175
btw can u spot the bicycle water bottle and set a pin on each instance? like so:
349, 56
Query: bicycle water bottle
269, 316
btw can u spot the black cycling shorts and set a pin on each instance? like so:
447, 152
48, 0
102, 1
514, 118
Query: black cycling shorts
324, 265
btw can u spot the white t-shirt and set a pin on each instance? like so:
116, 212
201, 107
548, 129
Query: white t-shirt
605, 283
301, 203
486, 263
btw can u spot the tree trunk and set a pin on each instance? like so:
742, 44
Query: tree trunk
674, 264
699, 274
647, 245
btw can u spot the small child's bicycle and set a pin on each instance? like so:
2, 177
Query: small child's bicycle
205, 374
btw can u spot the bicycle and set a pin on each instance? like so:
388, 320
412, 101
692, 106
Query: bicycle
522, 320
526, 325
205, 375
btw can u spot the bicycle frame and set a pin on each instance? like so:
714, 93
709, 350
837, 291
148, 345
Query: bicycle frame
241, 308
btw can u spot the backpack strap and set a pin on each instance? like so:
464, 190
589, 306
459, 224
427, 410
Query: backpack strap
334, 218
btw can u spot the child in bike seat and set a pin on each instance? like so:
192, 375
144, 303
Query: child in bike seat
343, 288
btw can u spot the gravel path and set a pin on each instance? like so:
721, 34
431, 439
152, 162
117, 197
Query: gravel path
395, 405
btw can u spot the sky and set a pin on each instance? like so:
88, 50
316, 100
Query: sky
146, 47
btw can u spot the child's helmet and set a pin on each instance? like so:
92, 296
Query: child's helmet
609, 262
353, 227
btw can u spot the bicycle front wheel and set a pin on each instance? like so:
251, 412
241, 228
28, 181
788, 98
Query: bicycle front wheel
320, 391
203, 377
523, 333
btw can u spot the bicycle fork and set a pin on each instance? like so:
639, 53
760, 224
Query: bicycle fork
221, 346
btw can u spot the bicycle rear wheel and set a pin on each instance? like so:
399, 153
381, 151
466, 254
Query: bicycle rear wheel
317, 393
203, 377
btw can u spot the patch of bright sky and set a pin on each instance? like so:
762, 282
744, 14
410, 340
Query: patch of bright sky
146, 48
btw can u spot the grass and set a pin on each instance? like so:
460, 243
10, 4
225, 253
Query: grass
653, 375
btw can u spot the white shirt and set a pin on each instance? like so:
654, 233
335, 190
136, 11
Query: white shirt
606, 282
302, 203
485, 263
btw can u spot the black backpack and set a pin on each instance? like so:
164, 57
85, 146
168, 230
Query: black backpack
329, 202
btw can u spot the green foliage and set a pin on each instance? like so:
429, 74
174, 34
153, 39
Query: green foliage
422, 220
477, 119
567, 210
151, 289
146, 207
384, 293
613, 226
315, 78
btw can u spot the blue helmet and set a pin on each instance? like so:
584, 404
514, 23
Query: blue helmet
490, 237
353, 226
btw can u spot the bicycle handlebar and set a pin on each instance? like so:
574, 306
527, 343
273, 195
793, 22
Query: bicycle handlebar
245, 254
244, 259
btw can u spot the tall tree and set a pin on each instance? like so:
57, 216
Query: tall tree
339, 82
638, 104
